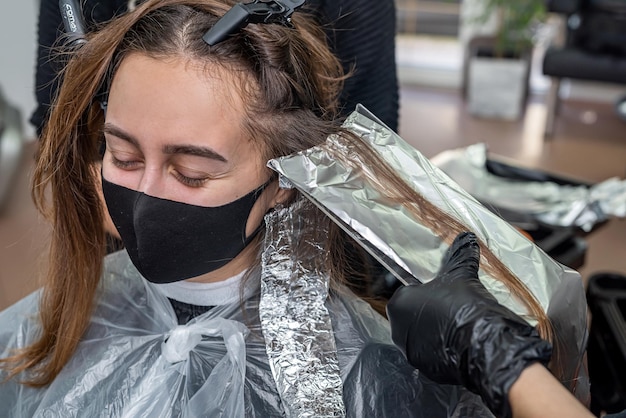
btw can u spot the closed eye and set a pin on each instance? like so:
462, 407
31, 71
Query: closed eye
190, 181
124, 164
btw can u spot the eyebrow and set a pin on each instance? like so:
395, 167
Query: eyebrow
194, 150
167, 149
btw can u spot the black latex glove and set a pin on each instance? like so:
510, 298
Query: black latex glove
455, 332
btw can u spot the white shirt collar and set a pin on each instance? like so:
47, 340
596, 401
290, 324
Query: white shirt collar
203, 294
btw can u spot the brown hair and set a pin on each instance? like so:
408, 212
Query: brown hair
355, 153
291, 83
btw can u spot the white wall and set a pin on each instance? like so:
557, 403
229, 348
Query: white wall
18, 49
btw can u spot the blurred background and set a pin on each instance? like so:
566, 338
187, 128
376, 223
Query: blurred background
539, 82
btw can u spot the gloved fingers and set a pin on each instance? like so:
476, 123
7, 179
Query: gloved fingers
402, 309
401, 303
462, 258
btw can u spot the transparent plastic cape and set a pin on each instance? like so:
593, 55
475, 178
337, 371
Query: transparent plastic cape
135, 361
412, 252
547, 202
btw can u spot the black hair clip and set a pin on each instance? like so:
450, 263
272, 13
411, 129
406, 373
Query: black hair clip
259, 11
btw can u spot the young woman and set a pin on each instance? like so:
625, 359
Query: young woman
191, 319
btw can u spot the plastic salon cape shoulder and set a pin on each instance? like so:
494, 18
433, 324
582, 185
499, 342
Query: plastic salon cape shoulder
128, 363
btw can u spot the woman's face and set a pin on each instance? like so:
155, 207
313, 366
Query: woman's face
172, 132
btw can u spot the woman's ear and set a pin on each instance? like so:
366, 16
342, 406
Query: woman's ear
281, 196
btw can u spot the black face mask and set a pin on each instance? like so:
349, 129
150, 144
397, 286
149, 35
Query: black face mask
170, 241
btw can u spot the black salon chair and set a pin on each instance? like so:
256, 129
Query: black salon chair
593, 48
606, 351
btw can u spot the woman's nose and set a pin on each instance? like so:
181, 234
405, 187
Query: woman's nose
152, 182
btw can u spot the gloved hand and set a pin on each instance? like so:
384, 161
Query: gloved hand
455, 332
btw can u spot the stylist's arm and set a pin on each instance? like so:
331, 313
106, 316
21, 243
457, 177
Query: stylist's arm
455, 332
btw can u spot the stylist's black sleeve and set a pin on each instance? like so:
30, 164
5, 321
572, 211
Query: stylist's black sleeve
362, 34
49, 31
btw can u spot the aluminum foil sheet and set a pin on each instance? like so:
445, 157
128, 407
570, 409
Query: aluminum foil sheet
295, 322
547, 202
412, 252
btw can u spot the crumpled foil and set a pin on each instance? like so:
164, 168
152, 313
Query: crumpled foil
547, 202
296, 324
412, 252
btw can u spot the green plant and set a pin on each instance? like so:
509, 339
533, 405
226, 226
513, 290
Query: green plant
517, 22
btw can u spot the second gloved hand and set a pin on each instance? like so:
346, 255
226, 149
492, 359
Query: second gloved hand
455, 332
